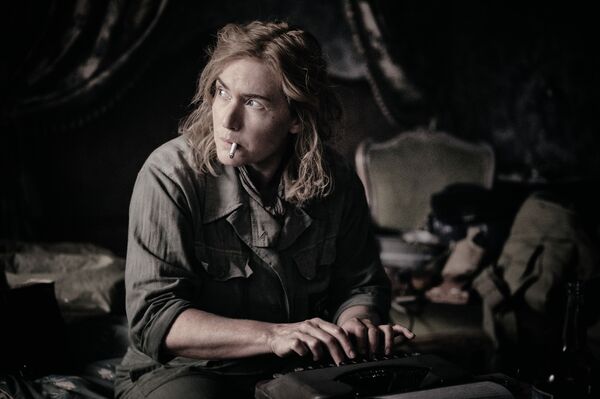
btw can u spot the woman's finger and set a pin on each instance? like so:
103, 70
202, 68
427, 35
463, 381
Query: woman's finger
341, 336
327, 340
373, 334
399, 329
313, 344
358, 331
388, 337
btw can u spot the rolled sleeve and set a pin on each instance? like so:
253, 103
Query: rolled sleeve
359, 278
159, 277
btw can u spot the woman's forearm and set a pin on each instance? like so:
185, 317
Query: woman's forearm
203, 335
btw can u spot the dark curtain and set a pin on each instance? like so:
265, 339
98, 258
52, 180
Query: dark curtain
65, 64
69, 60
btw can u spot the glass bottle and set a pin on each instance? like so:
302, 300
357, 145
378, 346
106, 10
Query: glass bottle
570, 375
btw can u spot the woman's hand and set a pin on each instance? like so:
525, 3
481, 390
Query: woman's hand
315, 337
372, 339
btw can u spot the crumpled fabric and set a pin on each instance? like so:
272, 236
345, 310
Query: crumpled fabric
88, 280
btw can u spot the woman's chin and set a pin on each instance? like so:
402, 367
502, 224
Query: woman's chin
225, 160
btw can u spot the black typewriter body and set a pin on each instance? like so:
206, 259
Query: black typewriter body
364, 378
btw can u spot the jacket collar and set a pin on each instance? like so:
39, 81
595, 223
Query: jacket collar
223, 194
226, 197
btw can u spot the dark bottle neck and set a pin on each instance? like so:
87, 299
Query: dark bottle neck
574, 331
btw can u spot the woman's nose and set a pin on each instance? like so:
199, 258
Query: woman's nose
231, 116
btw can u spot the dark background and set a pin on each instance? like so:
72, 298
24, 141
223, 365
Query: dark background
89, 89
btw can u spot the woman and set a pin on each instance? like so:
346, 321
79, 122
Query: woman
249, 241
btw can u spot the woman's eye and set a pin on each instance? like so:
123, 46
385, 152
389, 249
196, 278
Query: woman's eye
222, 93
254, 103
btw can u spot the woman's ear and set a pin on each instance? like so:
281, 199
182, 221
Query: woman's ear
296, 126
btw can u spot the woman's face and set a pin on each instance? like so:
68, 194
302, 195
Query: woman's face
249, 108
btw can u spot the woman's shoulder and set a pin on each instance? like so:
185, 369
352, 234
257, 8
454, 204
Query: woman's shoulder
174, 154
174, 161
173, 164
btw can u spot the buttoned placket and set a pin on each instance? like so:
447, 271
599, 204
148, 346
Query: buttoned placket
228, 198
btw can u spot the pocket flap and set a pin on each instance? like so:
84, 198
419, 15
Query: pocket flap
307, 260
223, 265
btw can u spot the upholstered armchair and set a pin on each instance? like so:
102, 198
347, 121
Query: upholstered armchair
400, 177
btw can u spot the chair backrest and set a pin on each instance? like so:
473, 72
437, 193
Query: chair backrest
401, 174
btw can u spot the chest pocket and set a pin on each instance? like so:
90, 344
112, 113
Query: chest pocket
311, 259
223, 264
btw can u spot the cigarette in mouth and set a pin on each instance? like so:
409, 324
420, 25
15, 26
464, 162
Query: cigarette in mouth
232, 149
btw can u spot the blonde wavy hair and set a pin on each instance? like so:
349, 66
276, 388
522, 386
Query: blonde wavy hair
295, 56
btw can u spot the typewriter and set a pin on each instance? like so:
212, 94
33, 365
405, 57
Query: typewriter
396, 376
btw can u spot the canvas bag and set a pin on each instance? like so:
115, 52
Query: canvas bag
546, 247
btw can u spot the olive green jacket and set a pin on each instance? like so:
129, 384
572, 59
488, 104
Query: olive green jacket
200, 241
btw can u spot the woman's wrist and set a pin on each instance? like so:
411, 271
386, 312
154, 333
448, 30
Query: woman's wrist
359, 312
